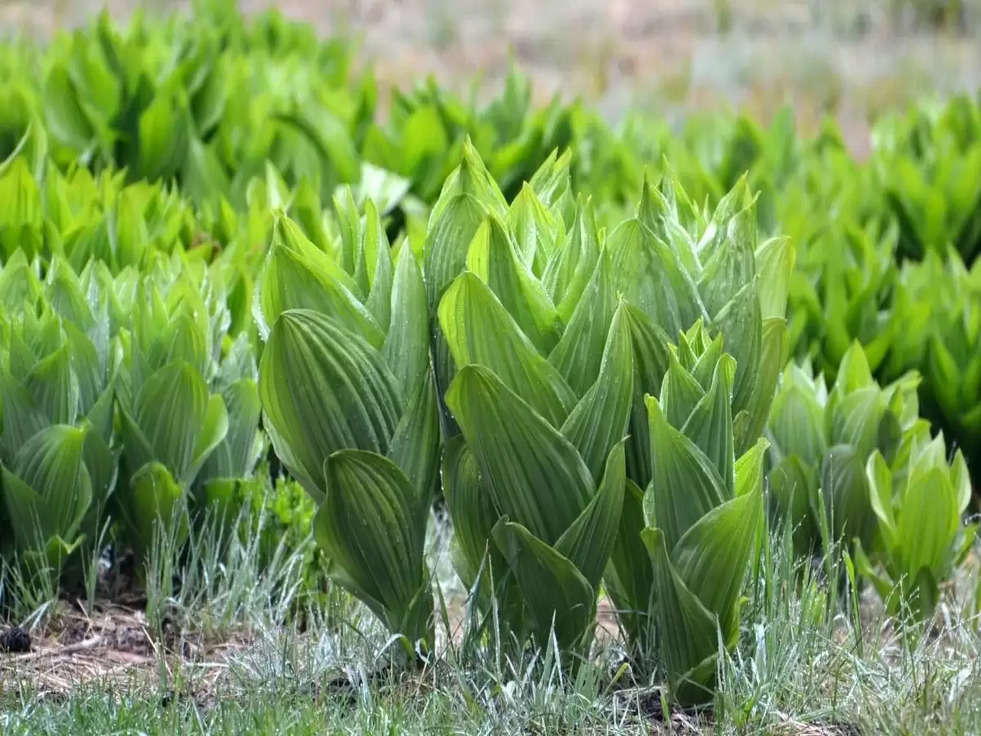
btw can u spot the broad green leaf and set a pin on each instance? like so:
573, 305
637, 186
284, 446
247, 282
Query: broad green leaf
650, 278
579, 353
680, 392
299, 276
479, 330
573, 264
406, 346
600, 418
168, 414
382, 562
775, 264
709, 425
414, 446
688, 630
651, 359
685, 485
447, 242
713, 555
47, 488
212, 431
845, 493
556, 594
471, 508
536, 477
154, 499
589, 541
879, 478
324, 389
750, 424
629, 578
492, 258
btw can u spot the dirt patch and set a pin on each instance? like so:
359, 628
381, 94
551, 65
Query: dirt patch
110, 646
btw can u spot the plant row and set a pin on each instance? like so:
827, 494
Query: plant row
601, 401
207, 102
217, 264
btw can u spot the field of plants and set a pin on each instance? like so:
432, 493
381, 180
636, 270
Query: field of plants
473, 417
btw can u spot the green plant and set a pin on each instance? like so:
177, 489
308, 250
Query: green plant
169, 419
56, 400
929, 165
942, 338
348, 401
703, 515
821, 440
918, 501
681, 269
538, 364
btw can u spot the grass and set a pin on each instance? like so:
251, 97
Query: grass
235, 645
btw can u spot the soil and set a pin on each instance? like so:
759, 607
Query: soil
110, 644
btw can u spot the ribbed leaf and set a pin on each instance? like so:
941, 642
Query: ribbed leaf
796, 422
324, 389
856, 419
713, 555
297, 275
492, 258
709, 425
775, 264
571, 267
879, 478
556, 594
479, 330
650, 277
536, 476
472, 178
749, 424
447, 242
47, 489
589, 541
600, 418
167, 416
927, 521
651, 360
154, 498
535, 228
685, 484
739, 321
845, 493
54, 386
415, 445
471, 508
211, 432
578, 354
727, 269
629, 578
369, 528
687, 630
22, 418
680, 392
374, 267
406, 347
236, 455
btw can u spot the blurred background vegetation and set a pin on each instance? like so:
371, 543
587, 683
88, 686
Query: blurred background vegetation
852, 60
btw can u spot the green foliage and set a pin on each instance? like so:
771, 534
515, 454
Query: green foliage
821, 439
211, 245
918, 503
347, 395
703, 516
